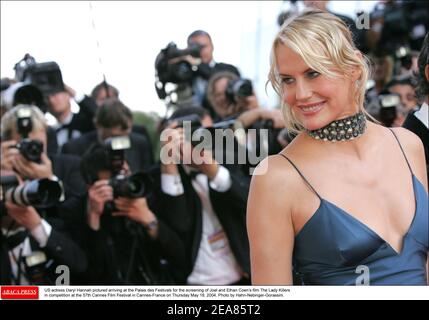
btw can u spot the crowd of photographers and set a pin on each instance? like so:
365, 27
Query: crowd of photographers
90, 195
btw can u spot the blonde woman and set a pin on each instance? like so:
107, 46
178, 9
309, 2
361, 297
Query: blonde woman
346, 202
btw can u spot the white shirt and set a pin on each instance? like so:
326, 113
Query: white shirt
215, 263
63, 133
423, 114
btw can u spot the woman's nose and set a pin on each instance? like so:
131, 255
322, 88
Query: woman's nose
303, 90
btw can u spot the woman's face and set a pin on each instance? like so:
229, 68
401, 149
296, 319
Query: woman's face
315, 99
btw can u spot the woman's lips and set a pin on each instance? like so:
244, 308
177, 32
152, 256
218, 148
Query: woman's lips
311, 108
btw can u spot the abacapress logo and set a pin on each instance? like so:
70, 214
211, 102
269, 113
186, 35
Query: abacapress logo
20, 292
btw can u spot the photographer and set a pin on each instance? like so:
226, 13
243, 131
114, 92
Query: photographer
49, 229
206, 67
70, 125
127, 243
189, 69
103, 91
234, 98
404, 87
112, 119
207, 205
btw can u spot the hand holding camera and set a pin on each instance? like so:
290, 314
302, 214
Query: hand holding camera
15, 157
98, 194
33, 170
8, 154
134, 209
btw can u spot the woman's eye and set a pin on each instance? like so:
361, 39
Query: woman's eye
287, 80
313, 74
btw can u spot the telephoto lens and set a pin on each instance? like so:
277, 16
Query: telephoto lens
39, 193
238, 88
137, 185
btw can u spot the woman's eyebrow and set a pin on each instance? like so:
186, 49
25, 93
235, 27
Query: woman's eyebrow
288, 75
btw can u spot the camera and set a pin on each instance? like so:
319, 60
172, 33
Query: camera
45, 76
39, 193
137, 185
172, 68
30, 149
389, 104
34, 82
238, 89
180, 71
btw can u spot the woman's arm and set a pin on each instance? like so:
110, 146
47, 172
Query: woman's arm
269, 224
413, 148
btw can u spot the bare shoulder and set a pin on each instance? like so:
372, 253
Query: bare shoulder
414, 150
408, 139
274, 173
269, 224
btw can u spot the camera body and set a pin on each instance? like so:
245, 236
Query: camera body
389, 105
45, 76
34, 82
180, 71
238, 89
31, 149
137, 185
171, 67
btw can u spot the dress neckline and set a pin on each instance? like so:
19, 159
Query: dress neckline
324, 201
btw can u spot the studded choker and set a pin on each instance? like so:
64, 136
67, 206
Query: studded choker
341, 130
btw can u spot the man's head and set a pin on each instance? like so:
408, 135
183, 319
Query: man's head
216, 93
96, 165
99, 93
423, 73
405, 89
59, 105
203, 38
113, 119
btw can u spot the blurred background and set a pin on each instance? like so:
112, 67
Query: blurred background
127, 36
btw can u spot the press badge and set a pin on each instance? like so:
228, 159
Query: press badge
218, 241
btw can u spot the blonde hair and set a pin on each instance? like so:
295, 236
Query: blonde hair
9, 121
325, 44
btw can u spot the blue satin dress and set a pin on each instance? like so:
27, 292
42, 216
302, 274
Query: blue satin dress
334, 248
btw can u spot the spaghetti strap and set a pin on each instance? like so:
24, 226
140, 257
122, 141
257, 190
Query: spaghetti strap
403, 152
302, 176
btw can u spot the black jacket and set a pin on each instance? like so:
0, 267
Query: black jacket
60, 250
63, 245
139, 156
185, 214
82, 122
415, 125
122, 252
